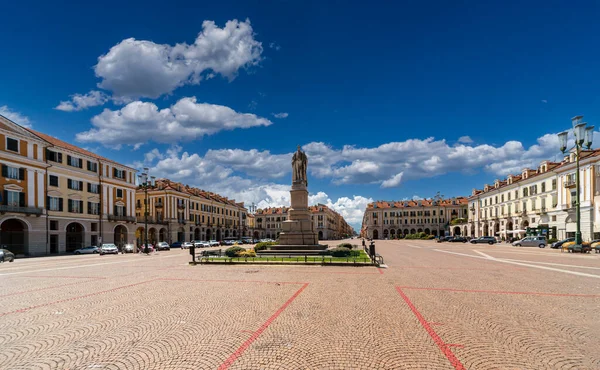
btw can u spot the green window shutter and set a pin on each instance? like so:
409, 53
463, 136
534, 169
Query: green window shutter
69, 160
4, 171
69, 205
22, 200
60, 204
21, 174
4, 196
81, 206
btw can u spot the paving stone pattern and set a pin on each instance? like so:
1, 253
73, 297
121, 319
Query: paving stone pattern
428, 310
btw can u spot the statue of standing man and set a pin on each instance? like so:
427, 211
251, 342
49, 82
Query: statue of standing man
299, 163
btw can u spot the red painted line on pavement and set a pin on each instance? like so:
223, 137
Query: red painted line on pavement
436, 338
380, 270
39, 289
234, 356
503, 292
73, 298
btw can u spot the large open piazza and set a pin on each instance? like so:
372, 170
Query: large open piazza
436, 306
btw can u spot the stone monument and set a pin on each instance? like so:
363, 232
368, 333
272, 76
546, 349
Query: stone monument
298, 231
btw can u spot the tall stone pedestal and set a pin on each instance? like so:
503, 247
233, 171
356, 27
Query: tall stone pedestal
298, 230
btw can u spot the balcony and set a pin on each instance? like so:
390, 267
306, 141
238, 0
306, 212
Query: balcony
26, 210
180, 205
158, 205
570, 183
121, 218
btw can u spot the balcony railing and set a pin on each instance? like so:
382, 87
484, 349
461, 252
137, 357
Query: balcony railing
158, 205
121, 218
570, 183
26, 210
181, 205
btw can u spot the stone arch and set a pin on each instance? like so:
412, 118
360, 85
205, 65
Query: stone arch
208, 234
320, 234
14, 234
375, 234
152, 235
434, 232
218, 235
256, 235
413, 231
227, 233
472, 230
197, 234
162, 235
524, 224
486, 230
456, 231
181, 234
75, 236
385, 233
419, 230
120, 236
427, 231
139, 235
405, 232
392, 233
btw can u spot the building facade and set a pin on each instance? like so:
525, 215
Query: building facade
58, 197
178, 212
328, 223
394, 219
541, 200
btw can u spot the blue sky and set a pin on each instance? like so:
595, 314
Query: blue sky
378, 94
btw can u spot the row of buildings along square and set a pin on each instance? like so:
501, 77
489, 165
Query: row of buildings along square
540, 200
57, 197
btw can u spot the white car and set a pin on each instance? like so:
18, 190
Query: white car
87, 250
108, 249
163, 246
531, 241
201, 244
213, 243
186, 245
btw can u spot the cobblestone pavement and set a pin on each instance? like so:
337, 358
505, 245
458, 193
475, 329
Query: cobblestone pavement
436, 306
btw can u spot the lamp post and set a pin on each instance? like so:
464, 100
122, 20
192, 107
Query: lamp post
143, 177
583, 137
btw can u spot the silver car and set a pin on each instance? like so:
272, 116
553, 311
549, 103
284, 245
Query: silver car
108, 249
87, 250
531, 241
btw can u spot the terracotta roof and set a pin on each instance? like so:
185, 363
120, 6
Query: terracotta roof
420, 203
63, 144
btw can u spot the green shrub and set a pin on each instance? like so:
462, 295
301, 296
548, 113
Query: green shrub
429, 237
354, 253
340, 252
249, 253
345, 245
263, 245
233, 251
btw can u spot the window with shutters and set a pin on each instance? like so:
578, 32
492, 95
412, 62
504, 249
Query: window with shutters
13, 198
11, 172
92, 166
75, 185
12, 144
53, 180
93, 208
74, 161
55, 204
119, 211
118, 174
53, 156
75, 206
93, 188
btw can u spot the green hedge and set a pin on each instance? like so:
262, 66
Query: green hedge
340, 252
263, 245
420, 235
233, 251
345, 245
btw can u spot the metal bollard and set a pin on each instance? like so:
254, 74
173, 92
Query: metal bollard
372, 249
193, 252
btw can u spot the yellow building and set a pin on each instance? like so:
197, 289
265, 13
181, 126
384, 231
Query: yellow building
178, 212
22, 213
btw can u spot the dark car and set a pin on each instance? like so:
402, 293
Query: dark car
484, 240
176, 245
6, 255
559, 244
163, 246
444, 239
458, 239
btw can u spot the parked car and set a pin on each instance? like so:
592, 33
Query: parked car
177, 245
484, 240
92, 249
108, 249
442, 239
585, 247
201, 244
163, 246
560, 243
6, 255
186, 245
213, 243
128, 248
458, 239
596, 246
204, 244
531, 241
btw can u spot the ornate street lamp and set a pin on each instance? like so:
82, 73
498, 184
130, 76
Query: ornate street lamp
145, 184
583, 137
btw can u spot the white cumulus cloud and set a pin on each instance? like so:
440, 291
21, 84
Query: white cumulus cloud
280, 115
79, 102
392, 181
140, 68
16, 117
465, 140
139, 122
